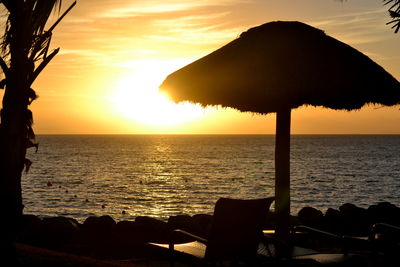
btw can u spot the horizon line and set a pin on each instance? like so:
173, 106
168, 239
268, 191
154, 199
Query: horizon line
293, 134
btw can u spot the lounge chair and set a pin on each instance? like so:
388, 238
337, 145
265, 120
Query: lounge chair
234, 237
385, 244
380, 249
332, 249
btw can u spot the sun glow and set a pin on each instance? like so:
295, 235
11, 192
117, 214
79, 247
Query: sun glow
136, 96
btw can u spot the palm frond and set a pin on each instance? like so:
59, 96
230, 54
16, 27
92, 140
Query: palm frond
3, 66
41, 13
26, 23
394, 13
8, 4
43, 64
40, 46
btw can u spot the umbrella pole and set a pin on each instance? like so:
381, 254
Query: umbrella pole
282, 174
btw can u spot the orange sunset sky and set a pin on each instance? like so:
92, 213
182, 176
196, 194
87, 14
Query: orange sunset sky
115, 53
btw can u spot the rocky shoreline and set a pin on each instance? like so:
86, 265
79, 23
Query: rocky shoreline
104, 238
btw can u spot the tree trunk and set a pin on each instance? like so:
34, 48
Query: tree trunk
13, 142
12, 158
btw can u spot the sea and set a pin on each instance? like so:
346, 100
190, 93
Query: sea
126, 176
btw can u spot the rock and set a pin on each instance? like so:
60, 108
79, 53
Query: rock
355, 220
332, 213
102, 223
333, 221
127, 240
347, 208
125, 230
310, 216
152, 230
384, 212
130, 238
29, 231
151, 223
183, 222
97, 232
59, 232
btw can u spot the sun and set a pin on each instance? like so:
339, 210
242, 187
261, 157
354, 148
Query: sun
136, 96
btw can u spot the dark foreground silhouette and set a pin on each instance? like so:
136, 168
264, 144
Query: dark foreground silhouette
102, 238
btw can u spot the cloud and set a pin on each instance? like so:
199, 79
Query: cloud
356, 28
143, 8
208, 29
112, 32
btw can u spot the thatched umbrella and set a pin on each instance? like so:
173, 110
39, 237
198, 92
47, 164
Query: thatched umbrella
279, 66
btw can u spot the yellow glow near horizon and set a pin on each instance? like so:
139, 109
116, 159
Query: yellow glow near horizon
115, 54
136, 96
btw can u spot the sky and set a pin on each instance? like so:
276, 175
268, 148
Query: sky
115, 53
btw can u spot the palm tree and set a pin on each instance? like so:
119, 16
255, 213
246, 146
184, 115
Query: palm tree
394, 11
24, 54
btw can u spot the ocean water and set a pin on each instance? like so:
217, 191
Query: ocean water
162, 175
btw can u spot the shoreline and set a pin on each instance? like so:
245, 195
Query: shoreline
102, 237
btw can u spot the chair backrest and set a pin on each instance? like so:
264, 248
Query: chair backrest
237, 228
